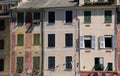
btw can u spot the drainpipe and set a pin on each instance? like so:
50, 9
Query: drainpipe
42, 41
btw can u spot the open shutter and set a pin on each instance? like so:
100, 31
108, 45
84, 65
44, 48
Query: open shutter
82, 45
93, 42
101, 60
114, 43
102, 42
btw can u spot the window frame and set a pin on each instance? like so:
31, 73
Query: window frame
68, 61
67, 19
20, 63
3, 25
69, 41
20, 42
51, 63
50, 17
87, 16
36, 39
2, 46
51, 40
22, 21
36, 63
108, 16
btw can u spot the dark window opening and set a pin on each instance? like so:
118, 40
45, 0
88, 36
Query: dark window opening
2, 25
68, 63
68, 40
1, 44
51, 40
20, 19
36, 15
51, 62
88, 41
68, 17
1, 64
108, 41
51, 17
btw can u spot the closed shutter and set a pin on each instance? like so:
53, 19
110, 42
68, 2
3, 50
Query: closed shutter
102, 42
82, 44
36, 62
93, 42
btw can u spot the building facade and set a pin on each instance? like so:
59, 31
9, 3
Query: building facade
26, 36
4, 38
97, 38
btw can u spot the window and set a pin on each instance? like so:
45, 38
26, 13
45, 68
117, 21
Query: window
36, 18
36, 63
20, 19
20, 39
86, 1
1, 64
1, 44
69, 40
100, 0
51, 40
68, 62
106, 41
110, 67
68, 17
2, 25
108, 16
36, 39
87, 41
87, 16
51, 17
99, 66
19, 64
51, 62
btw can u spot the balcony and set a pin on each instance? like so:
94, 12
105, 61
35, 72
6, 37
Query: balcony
110, 2
99, 67
4, 12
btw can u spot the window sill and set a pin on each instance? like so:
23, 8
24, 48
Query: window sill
51, 69
68, 47
87, 22
51, 47
68, 23
50, 24
68, 70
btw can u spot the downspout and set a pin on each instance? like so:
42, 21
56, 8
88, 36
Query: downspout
116, 50
42, 41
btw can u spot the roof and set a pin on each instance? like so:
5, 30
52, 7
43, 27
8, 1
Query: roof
46, 3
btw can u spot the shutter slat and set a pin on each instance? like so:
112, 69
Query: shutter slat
102, 42
82, 45
93, 41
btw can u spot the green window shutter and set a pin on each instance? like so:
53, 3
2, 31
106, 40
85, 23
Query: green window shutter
87, 17
36, 63
86, 1
108, 16
20, 63
36, 39
20, 39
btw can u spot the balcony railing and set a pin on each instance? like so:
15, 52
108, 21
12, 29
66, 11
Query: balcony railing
4, 12
99, 3
99, 67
